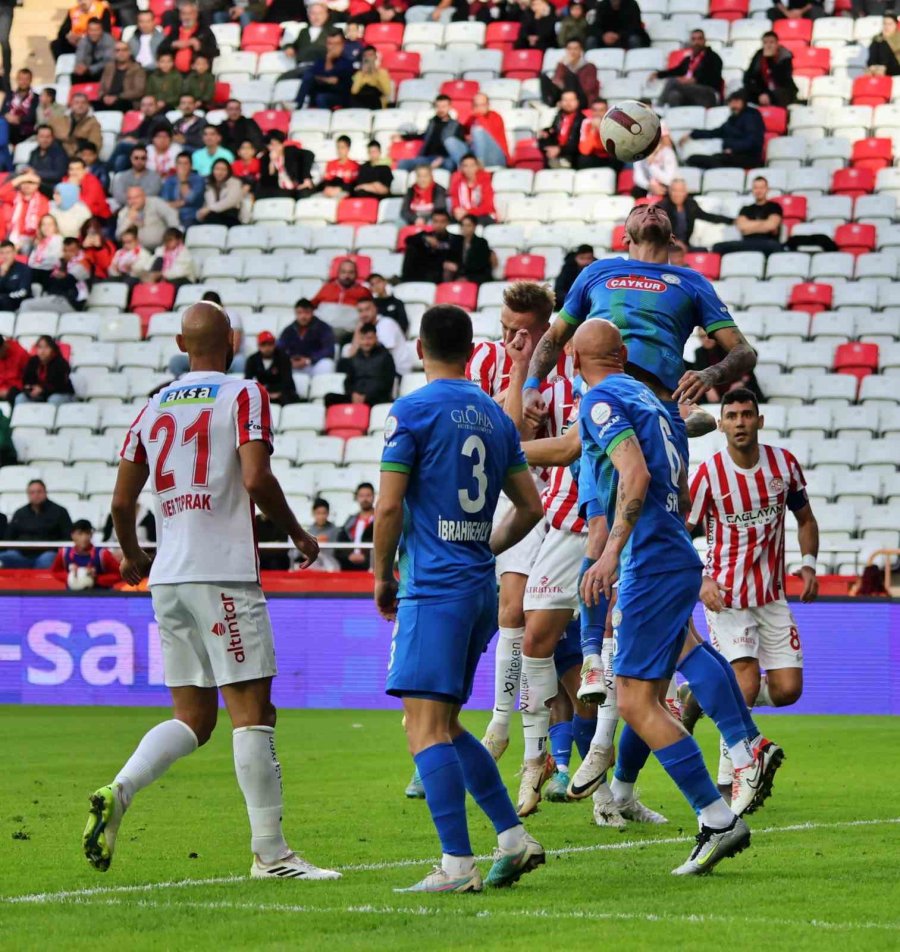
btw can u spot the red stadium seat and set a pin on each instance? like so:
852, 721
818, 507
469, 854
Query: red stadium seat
130, 121
675, 57
857, 359
405, 233
872, 153
261, 37
222, 93
269, 119
522, 64
159, 7
501, 36
459, 88
625, 182
729, 9
150, 299
775, 119
357, 211
798, 29
793, 208
871, 90
462, 108
363, 264
91, 90
705, 263
810, 61
525, 268
405, 149
853, 182
351, 419
462, 293
855, 238
386, 36
811, 298
618, 239
527, 155
401, 64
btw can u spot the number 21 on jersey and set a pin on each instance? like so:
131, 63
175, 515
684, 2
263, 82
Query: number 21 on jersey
165, 430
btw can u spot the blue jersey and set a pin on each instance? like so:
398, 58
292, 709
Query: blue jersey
458, 447
655, 306
622, 407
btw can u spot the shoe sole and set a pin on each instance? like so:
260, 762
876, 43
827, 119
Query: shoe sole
592, 696
530, 864
768, 782
96, 852
414, 796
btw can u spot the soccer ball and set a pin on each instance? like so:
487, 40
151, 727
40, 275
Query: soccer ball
630, 131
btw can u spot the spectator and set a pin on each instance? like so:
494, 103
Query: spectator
573, 26
696, 80
48, 109
46, 375
326, 83
146, 40
538, 28
434, 255
223, 197
188, 128
375, 177
441, 129
236, 128
145, 524
371, 84
618, 23
165, 82
884, 53
386, 303
592, 152
13, 358
162, 153
870, 584
742, 135
471, 192
388, 332
172, 262
80, 125
95, 49
75, 25
202, 160
122, 81
138, 176
653, 175
345, 288
149, 214
92, 192
574, 263
324, 531
200, 82
340, 173
573, 73
769, 79
87, 152
423, 198
66, 287
40, 521
246, 165
188, 39
353, 43
560, 141
48, 159
759, 224
22, 216
684, 211
124, 12
15, 278
287, 172
359, 527
20, 108
271, 560
709, 353
486, 134
797, 10
369, 368
478, 261
271, 366
310, 43
308, 342
97, 248
131, 261
82, 565
46, 253
152, 118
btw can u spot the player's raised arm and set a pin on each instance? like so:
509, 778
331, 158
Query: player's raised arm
388, 528
554, 450
544, 359
525, 514
130, 481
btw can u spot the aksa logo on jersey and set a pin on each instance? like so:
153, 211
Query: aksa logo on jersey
175, 396
636, 282
600, 413
472, 419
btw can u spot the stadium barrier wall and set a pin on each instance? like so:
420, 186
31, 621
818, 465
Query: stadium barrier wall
333, 652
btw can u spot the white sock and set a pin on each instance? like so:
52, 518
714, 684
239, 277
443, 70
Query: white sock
512, 840
507, 673
763, 697
259, 777
741, 755
457, 866
539, 685
717, 815
608, 711
159, 748
622, 792
726, 767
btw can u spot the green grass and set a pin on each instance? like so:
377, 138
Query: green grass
829, 885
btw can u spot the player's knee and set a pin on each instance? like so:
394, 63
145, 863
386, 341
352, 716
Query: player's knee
269, 715
203, 727
510, 615
786, 693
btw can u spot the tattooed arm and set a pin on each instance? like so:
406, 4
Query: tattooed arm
740, 359
545, 356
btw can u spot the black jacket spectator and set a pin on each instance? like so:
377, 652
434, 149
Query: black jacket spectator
437, 132
236, 131
700, 64
208, 46
49, 523
347, 533
684, 218
52, 378
564, 135
477, 263
271, 560
51, 164
368, 174
771, 73
574, 263
813, 13
21, 102
427, 253
298, 165
618, 23
371, 374
276, 378
15, 284
742, 135
538, 32
421, 203
884, 53
316, 344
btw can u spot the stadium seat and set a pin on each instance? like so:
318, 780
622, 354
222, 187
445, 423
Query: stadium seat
857, 359
401, 64
810, 297
149, 299
261, 37
363, 449
522, 64
501, 36
793, 30
385, 36
462, 293
269, 119
525, 268
855, 238
729, 9
775, 119
351, 419
357, 211
872, 90
705, 263
793, 207
872, 153
854, 181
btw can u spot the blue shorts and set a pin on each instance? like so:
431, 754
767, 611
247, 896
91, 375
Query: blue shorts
650, 622
679, 429
568, 649
438, 642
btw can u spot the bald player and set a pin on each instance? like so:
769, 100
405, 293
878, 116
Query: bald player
204, 442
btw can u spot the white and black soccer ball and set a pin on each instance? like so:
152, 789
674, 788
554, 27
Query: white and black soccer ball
630, 131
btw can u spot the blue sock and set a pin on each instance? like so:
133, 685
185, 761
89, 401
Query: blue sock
593, 620
683, 762
749, 723
583, 730
445, 792
713, 690
561, 742
483, 781
632, 755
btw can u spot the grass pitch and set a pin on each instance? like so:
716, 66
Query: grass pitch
822, 871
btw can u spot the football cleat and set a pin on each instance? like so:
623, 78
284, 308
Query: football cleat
591, 771
439, 881
495, 744
291, 866
606, 813
509, 868
635, 811
713, 846
691, 712
557, 787
752, 785
99, 839
593, 689
535, 773
415, 789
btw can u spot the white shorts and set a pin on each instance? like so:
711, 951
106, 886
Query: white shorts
213, 634
767, 633
521, 557
553, 581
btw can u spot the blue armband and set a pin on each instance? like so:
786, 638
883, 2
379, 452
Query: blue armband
532, 383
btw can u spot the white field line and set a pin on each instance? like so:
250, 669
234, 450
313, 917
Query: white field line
77, 894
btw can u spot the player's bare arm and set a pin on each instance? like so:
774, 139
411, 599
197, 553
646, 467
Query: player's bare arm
554, 450
264, 489
130, 481
388, 527
519, 350
545, 356
525, 514
740, 359
634, 481
808, 534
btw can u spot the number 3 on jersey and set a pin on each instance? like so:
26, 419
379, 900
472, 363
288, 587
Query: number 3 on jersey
165, 428
474, 448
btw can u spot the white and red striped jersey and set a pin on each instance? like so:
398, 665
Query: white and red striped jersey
744, 510
560, 498
490, 367
189, 435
